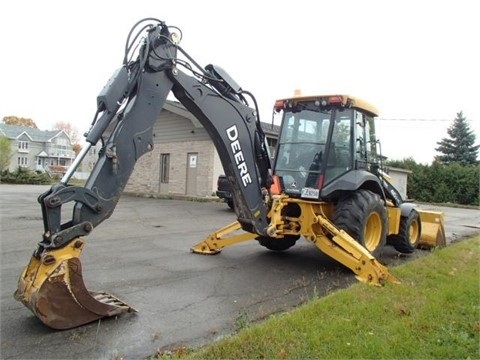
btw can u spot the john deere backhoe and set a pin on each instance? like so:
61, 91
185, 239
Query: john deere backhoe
326, 185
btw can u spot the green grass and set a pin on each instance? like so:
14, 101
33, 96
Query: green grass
433, 314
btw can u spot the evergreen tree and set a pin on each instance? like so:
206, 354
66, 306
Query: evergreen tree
460, 146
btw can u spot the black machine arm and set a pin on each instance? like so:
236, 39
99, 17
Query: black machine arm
239, 140
128, 107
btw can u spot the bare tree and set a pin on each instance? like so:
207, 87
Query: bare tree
72, 132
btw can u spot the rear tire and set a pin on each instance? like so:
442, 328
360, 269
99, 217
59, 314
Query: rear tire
230, 203
363, 216
409, 234
278, 244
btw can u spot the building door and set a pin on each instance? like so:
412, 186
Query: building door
192, 160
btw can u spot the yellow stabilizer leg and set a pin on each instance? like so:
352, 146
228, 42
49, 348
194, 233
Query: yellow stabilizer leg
343, 248
214, 242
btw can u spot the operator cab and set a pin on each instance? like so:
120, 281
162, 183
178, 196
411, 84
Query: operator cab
321, 139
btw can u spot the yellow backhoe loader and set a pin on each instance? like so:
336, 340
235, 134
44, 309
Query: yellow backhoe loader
327, 184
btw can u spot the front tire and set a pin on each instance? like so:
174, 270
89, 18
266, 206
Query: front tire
363, 215
409, 234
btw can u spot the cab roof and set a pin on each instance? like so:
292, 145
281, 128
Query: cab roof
345, 100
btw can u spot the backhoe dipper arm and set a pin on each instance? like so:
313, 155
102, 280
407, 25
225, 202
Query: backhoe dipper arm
128, 106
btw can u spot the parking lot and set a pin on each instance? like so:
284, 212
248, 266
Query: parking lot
142, 255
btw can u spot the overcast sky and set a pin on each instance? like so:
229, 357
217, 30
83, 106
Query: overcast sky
416, 61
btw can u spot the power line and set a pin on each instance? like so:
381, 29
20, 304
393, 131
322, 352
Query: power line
404, 119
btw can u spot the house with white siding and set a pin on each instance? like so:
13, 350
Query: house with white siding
35, 149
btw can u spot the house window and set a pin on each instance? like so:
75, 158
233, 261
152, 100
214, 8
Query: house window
22, 161
61, 141
164, 168
23, 145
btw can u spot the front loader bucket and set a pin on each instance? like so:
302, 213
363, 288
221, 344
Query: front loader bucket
433, 229
52, 288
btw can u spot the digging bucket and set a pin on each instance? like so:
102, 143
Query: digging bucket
52, 288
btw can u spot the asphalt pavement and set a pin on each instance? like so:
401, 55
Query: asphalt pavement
142, 255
